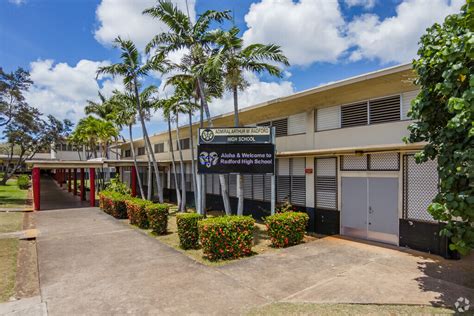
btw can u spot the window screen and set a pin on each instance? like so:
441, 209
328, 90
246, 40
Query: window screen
328, 118
354, 163
297, 124
326, 183
384, 110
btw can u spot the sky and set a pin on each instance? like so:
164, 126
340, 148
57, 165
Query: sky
63, 42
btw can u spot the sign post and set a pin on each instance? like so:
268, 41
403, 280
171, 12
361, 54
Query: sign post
242, 150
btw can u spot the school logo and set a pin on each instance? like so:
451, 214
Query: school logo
207, 135
208, 159
462, 305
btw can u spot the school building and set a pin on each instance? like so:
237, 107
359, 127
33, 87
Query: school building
340, 158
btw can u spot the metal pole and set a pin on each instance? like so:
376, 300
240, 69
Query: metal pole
273, 180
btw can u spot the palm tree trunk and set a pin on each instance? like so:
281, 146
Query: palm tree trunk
225, 192
240, 178
178, 196
202, 177
150, 183
193, 167
148, 143
181, 165
134, 157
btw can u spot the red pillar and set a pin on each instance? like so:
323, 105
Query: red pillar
69, 180
92, 186
133, 174
83, 187
74, 184
36, 188
60, 177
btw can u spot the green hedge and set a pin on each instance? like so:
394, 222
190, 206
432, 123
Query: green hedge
136, 211
157, 217
188, 230
286, 229
226, 237
113, 203
23, 182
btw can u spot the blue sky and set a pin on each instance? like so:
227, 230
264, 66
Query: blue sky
62, 42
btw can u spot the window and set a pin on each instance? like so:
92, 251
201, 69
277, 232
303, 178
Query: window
371, 162
384, 110
407, 97
325, 184
160, 148
354, 114
184, 143
141, 151
297, 124
281, 126
291, 182
128, 153
328, 118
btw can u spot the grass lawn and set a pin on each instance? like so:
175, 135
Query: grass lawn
261, 241
11, 221
8, 258
347, 309
11, 196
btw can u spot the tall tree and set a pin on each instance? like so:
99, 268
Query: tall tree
184, 34
132, 71
444, 114
232, 60
12, 87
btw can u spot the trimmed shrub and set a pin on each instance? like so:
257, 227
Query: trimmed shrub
23, 182
157, 217
226, 237
188, 231
136, 211
113, 203
286, 229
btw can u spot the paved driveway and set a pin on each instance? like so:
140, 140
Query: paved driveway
90, 263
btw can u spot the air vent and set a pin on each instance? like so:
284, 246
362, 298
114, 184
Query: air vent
354, 115
385, 110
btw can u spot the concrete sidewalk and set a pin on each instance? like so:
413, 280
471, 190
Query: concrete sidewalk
90, 263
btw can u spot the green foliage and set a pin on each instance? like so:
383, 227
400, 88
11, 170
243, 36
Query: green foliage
157, 217
284, 207
23, 182
226, 237
444, 114
136, 211
286, 229
113, 203
115, 185
188, 231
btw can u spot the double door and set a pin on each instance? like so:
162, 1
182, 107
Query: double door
370, 208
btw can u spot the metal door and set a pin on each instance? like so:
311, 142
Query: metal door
354, 207
383, 210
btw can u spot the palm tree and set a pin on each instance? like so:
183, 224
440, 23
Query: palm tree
132, 71
231, 60
194, 37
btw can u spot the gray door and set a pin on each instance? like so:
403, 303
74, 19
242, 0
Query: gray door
354, 207
383, 210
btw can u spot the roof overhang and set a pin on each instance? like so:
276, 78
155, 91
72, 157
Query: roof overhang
352, 150
72, 164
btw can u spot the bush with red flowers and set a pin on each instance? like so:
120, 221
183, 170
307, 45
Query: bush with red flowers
286, 229
226, 237
188, 231
136, 211
113, 203
157, 217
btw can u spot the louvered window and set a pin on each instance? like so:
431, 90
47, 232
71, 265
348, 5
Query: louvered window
407, 97
232, 185
283, 179
354, 114
291, 182
328, 118
384, 110
248, 186
326, 183
281, 127
216, 185
297, 124
258, 187
268, 187
265, 124
185, 144
128, 153
208, 179
160, 148
141, 151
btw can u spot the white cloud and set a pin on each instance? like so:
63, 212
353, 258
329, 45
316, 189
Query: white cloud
125, 18
367, 4
307, 30
395, 39
62, 90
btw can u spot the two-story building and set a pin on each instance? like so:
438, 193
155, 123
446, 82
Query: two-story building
340, 158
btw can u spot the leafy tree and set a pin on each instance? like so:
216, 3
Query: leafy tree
29, 133
132, 72
12, 86
232, 59
444, 117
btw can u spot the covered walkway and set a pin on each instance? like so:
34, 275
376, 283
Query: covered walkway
53, 197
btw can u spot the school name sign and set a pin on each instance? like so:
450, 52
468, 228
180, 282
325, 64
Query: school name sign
236, 150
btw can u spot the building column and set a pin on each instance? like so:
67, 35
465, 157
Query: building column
133, 175
83, 186
69, 180
92, 186
60, 177
74, 184
36, 188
